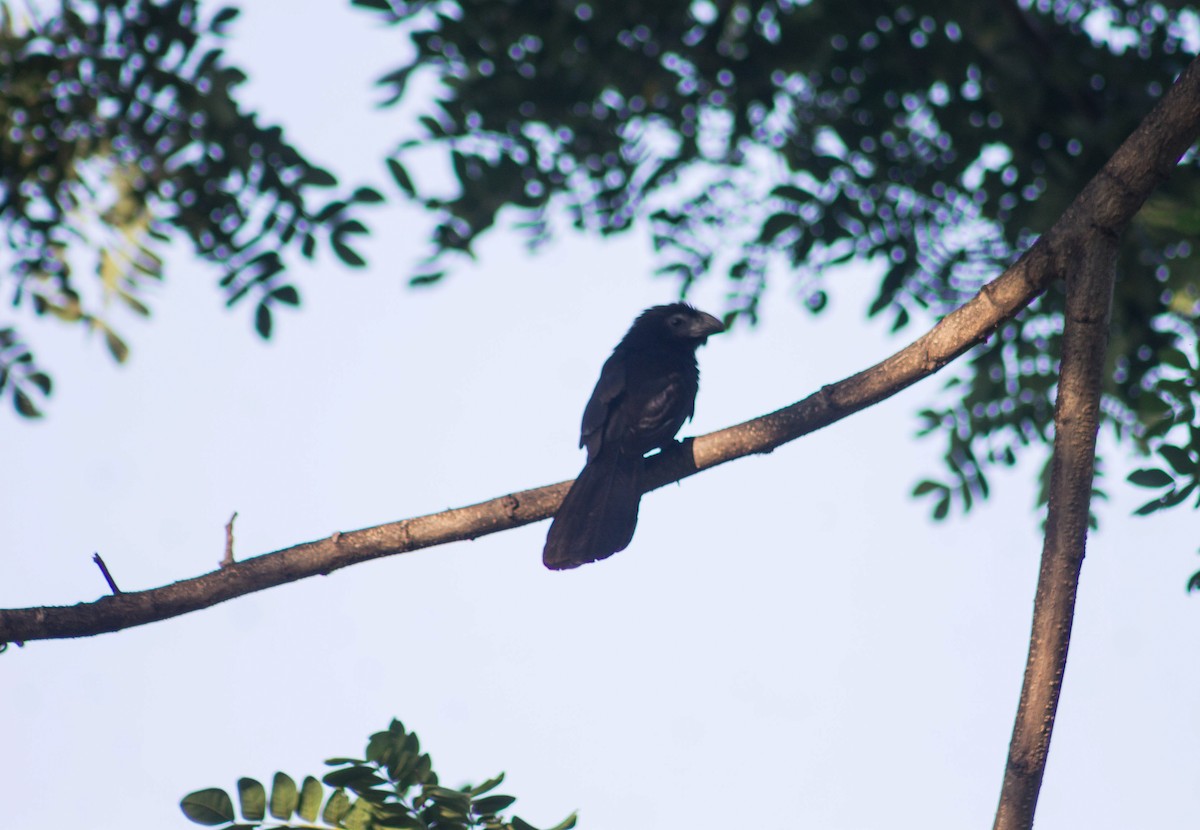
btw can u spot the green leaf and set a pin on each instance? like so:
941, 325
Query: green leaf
350, 226
451, 798
311, 794
1179, 459
347, 254
1175, 497
41, 380
25, 406
208, 807
567, 823
402, 178
367, 194
284, 797
329, 211
791, 193
486, 786
336, 808
775, 225
942, 509
489, 805
378, 5
927, 486
317, 177
221, 18
1151, 477
262, 321
252, 797
356, 778
426, 279
396, 817
286, 294
116, 346
1148, 508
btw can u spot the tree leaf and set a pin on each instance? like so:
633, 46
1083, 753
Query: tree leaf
252, 797
491, 804
402, 178
377, 5
208, 807
222, 18
262, 321
311, 794
367, 194
356, 778
284, 797
927, 486
24, 405
1151, 477
942, 509
41, 380
347, 254
1179, 459
426, 279
792, 193
567, 823
486, 786
318, 177
116, 346
336, 808
775, 225
286, 294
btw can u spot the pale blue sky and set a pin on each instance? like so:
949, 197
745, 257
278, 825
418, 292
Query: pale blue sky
788, 642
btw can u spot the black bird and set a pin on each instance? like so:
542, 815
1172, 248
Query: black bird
647, 389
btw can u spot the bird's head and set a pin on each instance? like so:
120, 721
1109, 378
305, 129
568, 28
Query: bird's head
675, 323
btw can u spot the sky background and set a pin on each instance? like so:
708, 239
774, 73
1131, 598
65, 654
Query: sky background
788, 642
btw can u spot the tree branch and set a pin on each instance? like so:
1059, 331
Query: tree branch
1107, 203
1090, 279
1089, 257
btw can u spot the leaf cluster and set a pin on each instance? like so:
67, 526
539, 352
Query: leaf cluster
119, 130
393, 787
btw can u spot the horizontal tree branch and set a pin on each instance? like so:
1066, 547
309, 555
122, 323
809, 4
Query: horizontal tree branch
1106, 204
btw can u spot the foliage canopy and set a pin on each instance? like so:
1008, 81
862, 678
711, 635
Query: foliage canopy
393, 787
765, 140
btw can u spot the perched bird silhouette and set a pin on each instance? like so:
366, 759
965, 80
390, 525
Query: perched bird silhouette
647, 389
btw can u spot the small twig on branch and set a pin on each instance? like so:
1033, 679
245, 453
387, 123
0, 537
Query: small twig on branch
1106, 205
112, 586
228, 558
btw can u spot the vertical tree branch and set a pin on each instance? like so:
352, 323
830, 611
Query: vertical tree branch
1089, 260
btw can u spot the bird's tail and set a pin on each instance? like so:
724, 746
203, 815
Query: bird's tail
598, 516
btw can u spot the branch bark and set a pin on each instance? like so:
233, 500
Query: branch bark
1108, 202
1090, 278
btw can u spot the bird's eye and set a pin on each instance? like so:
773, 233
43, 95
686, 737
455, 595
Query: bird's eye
675, 322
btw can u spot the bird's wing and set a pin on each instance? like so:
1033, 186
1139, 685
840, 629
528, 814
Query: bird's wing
595, 414
663, 412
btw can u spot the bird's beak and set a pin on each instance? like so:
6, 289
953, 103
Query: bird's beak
705, 325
